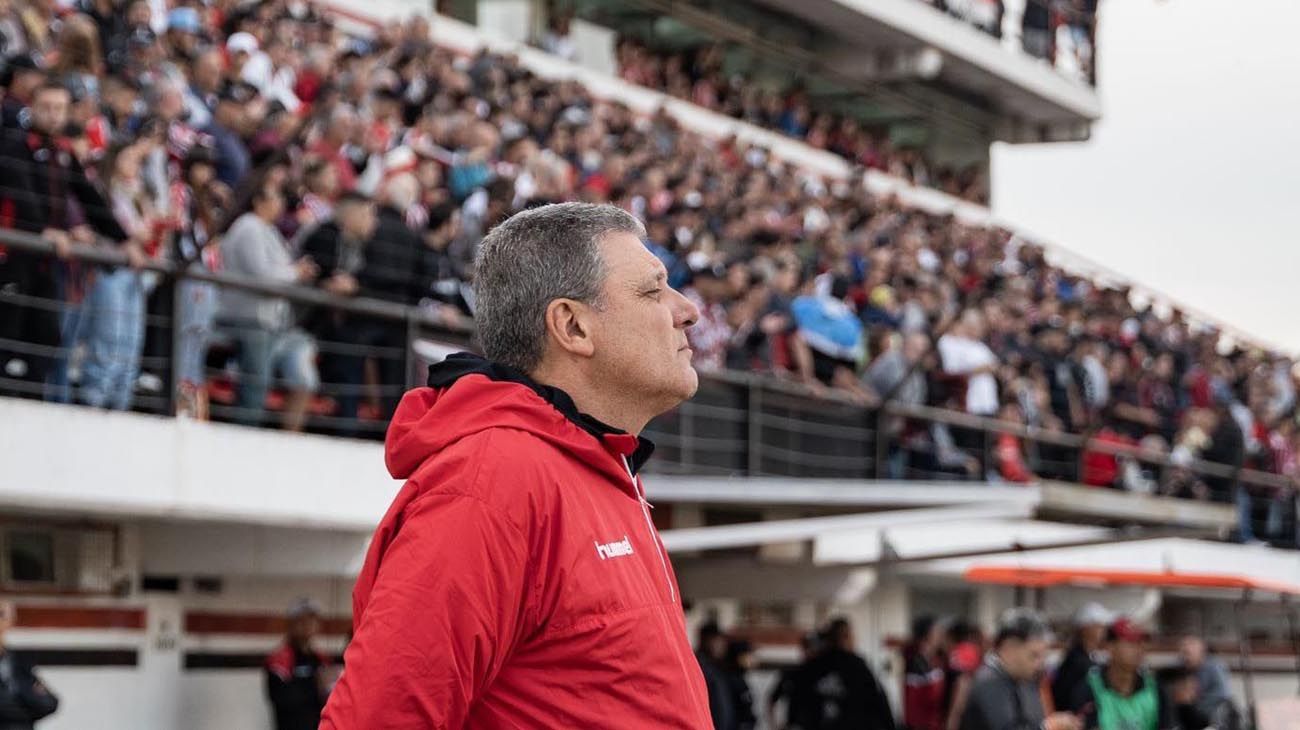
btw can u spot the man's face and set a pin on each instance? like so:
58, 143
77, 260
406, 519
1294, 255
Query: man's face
1192, 651
358, 220
25, 82
50, 111
1127, 654
207, 72
1024, 660
640, 329
304, 628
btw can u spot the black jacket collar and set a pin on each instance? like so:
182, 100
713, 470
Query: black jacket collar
461, 364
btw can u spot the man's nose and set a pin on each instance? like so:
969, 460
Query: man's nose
685, 313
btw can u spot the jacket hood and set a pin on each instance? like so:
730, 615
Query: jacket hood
467, 394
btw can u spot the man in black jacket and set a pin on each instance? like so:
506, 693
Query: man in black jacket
355, 261
42, 177
298, 676
1090, 625
837, 690
23, 698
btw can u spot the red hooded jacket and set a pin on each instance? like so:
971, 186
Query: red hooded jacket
517, 580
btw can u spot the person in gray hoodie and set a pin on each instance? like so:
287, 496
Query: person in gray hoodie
263, 325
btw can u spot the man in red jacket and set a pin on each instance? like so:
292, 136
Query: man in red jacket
518, 581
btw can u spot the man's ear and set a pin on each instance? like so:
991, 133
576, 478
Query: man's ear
569, 326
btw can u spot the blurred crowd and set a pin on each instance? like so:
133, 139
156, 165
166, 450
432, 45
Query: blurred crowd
1062, 32
259, 140
956, 678
698, 76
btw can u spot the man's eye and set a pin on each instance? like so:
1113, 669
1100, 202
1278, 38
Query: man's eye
654, 293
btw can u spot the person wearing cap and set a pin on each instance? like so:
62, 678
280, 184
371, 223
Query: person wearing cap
1005, 692
228, 128
298, 674
1090, 623
1122, 694
182, 36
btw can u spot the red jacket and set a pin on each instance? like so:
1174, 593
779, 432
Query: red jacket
517, 580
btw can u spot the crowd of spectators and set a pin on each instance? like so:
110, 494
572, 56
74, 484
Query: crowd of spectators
697, 76
957, 678
372, 167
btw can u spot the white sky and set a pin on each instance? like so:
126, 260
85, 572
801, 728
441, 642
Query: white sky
1191, 182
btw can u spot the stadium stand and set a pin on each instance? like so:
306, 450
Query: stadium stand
371, 172
266, 213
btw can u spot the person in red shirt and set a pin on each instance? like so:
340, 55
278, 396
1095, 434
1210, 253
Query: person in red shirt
924, 683
518, 580
1009, 454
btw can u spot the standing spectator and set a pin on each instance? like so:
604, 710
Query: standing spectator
1005, 693
113, 319
710, 652
963, 353
838, 691
298, 675
44, 178
787, 685
261, 324
198, 200
24, 699
353, 262
924, 685
1213, 696
1090, 623
1122, 693
229, 126
23, 74
965, 656
736, 667
1036, 28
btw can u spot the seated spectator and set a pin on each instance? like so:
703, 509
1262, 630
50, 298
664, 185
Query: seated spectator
1009, 453
262, 325
962, 352
832, 336
711, 334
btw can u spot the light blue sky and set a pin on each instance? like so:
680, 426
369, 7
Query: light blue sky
1191, 181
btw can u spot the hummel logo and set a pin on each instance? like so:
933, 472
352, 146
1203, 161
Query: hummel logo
614, 549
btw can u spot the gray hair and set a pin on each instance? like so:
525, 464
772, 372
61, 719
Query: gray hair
537, 256
1024, 624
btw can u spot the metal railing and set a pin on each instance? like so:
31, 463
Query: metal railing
739, 424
